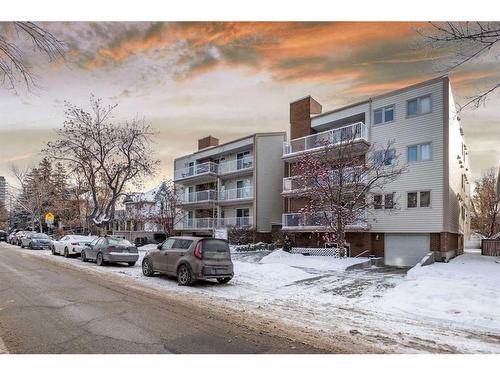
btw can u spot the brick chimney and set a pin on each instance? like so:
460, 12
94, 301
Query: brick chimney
207, 142
300, 116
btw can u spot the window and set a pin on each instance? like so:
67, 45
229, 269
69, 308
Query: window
181, 244
389, 201
168, 244
421, 152
425, 199
385, 114
412, 200
418, 106
384, 157
377, 201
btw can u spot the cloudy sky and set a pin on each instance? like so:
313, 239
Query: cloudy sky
231, 79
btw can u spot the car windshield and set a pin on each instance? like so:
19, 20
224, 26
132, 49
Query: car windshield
119, 242
41, 236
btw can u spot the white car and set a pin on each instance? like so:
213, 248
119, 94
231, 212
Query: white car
71, 245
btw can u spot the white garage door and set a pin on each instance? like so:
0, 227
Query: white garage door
405, 250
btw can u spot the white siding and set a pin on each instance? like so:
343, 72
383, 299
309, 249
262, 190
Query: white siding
268, 180
338, 115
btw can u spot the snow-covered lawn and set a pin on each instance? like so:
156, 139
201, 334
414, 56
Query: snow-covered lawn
442, 307
465, 291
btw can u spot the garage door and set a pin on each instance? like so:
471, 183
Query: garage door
405, 250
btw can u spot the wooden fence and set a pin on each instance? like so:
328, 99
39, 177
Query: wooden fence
490, 247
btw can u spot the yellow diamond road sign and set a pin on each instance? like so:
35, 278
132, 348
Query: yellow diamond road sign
49, 217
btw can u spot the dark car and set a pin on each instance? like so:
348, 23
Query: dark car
108, 249
3, 235
191, 259
35, 241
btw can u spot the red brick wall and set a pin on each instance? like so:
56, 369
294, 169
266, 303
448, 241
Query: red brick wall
300, 116
207, 142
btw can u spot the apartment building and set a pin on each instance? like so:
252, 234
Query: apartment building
3, 191
432, 198
235, 184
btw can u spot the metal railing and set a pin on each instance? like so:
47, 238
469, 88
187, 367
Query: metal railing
290, 184
231, 166
341, 135
235, 194
208, 223
196, 170
320, 219
198, 223
349, 176
200, 196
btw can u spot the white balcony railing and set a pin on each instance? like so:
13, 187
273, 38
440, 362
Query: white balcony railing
208, 223
210, 167
291, 184
236, 194
349, 176
231, 166
245, 221
200, 196
196, 170
318, 220
341, 135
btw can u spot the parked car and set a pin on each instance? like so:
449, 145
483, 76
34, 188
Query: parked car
108, 249
191, 259
70, 245
10, 238
19, 236
34, 240
3, 235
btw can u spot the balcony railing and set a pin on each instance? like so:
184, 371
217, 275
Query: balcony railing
236, 194
208, 167
291, 184
231, 166
245, 221
200, 196
318, 220
353, 132
209, 223
349, 177
196, 170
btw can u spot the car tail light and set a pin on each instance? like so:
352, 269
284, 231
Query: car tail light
197, 250
110, 249
74, 243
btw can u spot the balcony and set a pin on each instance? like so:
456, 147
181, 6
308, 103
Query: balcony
314, 142
209, 223
200, 197
238, 194
317, 222
240, 222
350, 178
203, 169
291, 185
235, 166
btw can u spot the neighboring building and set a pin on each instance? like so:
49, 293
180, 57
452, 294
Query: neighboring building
236, 184
3, 191
498, 182
143, 219
433, 196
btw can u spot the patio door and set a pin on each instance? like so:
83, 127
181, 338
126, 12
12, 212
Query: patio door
242, 217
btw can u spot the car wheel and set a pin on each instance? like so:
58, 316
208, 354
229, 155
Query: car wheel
30, 246
184, 276
22, 246
223, 280
147, 268
53, 250
84, 257
100, 260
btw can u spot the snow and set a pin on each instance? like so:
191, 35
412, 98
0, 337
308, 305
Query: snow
442, 307
313, 262
464, 291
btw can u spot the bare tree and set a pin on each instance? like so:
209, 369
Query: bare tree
485, 217
338, 183
4, 216
469, 41
167, 212
108, 155
14, 67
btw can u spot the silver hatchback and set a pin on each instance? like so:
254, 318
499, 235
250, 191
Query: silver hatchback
107, 249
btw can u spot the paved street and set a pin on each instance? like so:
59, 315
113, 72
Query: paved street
46, 308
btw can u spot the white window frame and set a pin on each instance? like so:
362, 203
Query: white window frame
418, 192
383, 114
419, 152
419, 107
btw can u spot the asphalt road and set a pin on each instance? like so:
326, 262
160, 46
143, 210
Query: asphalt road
48, 308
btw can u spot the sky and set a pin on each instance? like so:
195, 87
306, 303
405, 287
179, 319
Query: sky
228, 80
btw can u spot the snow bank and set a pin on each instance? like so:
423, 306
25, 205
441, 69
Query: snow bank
464, 291
268, 275
312, 262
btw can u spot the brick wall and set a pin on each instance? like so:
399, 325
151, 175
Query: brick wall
207, 142
300, 116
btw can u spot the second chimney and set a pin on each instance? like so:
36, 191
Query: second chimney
207, 142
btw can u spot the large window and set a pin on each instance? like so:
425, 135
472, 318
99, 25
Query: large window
385, 114
418, 106
383, 201
420, 152
384, 157
377, 201
419, 199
